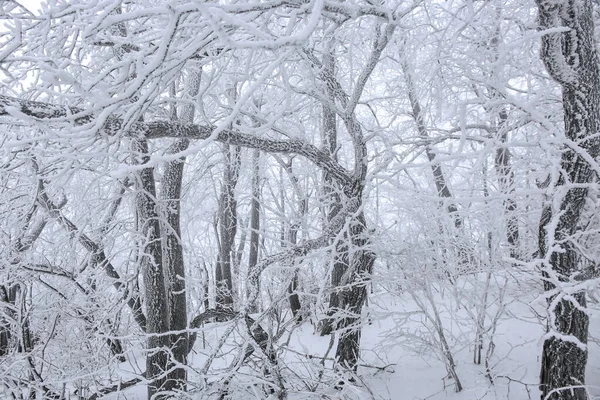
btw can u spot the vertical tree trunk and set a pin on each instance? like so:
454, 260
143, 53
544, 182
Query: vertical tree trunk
158, 319
173, 261
172, 181
353, 293
502, 160
506, 179
227, 228
255, 223
157, 302
330, 191
294, 299
571, 59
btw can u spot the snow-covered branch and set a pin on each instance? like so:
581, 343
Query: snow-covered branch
23, 109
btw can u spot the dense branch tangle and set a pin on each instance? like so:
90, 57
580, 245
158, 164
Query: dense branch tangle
351, 186
97, 124
113, 125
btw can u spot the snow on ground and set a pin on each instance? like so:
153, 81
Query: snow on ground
401, 357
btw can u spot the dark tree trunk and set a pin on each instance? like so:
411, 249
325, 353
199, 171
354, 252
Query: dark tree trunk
439, 178
571, 59
172, 182
331, 193
157, 302
353, 293
294, 299
174, 263
227, 228
340, 266
255, 222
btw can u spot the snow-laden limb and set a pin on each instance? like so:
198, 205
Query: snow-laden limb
99, 256
256, 332
23, 109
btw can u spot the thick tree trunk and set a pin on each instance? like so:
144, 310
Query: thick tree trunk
353, 293
157, 302
571, 59
174, 263
172, 181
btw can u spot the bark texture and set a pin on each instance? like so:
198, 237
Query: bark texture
227, 228
331, 192
302, 208
255, 220
172, 181
571, 59
157, 303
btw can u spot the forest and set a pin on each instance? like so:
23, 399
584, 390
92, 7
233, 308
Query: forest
299, 199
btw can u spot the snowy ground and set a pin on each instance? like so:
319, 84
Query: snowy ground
401, 359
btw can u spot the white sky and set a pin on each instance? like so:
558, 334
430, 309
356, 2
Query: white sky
31, 5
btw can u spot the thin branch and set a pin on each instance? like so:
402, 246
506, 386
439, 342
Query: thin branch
134, 302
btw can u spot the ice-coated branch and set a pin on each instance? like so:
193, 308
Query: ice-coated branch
23, 109
336, 224
320, 158
134, 302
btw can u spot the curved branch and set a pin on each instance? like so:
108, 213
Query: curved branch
161, 129
10, 106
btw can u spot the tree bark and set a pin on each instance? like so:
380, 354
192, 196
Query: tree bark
571, 59
255, 222
506, 178
331, 191
173, 260
157, 302
227, 228
294, 299
172, 181
353, 293
502, 159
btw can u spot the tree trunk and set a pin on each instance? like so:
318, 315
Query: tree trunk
255, 222
294, 299
502, 160
330, 191
353, 293
571, 59
157, 302
439, 178
172, 181
506, 179
174, 263
227, 228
